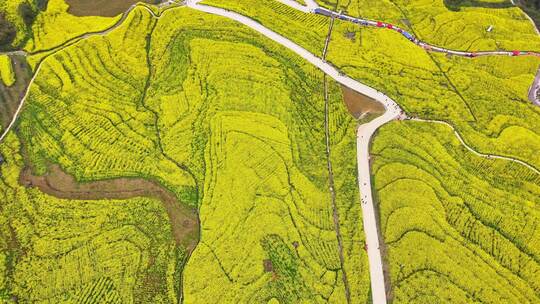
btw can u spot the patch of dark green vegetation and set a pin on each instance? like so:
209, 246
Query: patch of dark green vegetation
531, 8
27, 11
7, 32
283, 263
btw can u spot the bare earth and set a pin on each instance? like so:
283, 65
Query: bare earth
104, 8
359, 105
184, 220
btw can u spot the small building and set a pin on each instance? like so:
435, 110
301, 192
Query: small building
489, 29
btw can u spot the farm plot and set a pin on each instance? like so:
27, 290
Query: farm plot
86, 112
484, 98
82, 251
248, 117
459, 228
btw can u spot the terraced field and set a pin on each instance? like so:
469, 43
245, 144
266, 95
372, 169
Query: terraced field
83, 251
163, 100
266, 217
471, 233
187, 111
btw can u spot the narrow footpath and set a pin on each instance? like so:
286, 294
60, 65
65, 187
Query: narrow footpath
332, 187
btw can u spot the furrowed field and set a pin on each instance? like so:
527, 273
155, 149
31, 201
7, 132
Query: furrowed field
253, 116
470, 234
228, 122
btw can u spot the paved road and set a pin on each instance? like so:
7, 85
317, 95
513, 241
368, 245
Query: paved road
315, 9
364, 134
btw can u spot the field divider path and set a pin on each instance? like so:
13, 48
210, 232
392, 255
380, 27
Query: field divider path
331, 183
489, 156
364, 134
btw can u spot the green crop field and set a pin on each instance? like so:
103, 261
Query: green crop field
163, 99
470, 234
7, 76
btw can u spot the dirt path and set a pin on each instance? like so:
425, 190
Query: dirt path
184, 220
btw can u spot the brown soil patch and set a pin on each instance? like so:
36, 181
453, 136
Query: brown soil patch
12, 95
103, 8
184, 220
359, 105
